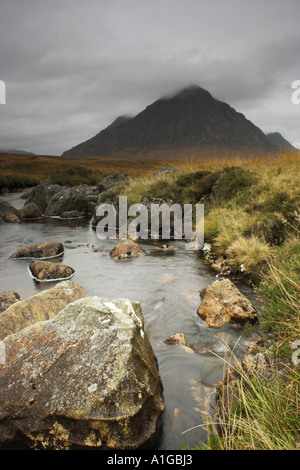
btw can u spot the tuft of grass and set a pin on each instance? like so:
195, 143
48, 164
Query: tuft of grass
280, 289
224, 225
253, 253
264, 415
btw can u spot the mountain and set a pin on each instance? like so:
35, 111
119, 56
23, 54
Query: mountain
188, 122
16, 152
277, 139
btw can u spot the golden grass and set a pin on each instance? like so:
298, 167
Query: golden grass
250, 252
266, 416
40, 166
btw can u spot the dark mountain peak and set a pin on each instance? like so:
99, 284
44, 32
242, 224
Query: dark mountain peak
189, 120
192, 91
277, 139
120, 120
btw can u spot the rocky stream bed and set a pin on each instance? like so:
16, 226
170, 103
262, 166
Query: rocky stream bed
87, 362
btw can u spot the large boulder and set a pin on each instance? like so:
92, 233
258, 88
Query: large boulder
68, 199
126, 249
6, 208
223, 303
42, 194
30, 211
9, 213
50, 271
41, 306
86, 379
7, 298
111, 181
40, 250
88, 191
11, 218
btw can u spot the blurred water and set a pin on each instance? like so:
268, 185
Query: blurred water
167, 283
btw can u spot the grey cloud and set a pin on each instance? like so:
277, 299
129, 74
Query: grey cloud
72, 67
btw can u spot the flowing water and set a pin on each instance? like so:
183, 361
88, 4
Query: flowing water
167, 283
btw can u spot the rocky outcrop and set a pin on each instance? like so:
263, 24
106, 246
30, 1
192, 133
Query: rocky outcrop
30, 211
126, 249
86, 379
42, 194
26, 193
68, 199
7, 298
12, 215
50, 271
40, 250
223, 303
53, 200
111, 181
42, 306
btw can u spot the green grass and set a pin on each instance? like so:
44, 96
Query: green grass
252, 217
280, 289
265, 414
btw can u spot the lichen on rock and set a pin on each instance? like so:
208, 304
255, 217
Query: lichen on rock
223, 303
88, 378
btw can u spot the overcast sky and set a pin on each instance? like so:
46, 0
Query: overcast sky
72, 66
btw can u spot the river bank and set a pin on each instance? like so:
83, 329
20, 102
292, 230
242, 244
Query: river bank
252, 222
252, 227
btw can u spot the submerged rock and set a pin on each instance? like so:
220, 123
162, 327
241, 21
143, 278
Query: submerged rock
40, 250
7, 298
223, 303
40, 307
87, 379
47, 270
126, 249
177, 338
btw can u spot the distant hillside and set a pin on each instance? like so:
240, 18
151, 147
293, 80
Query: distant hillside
282, 144
16, 152
192, 119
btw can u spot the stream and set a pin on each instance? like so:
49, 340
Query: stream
167, 283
